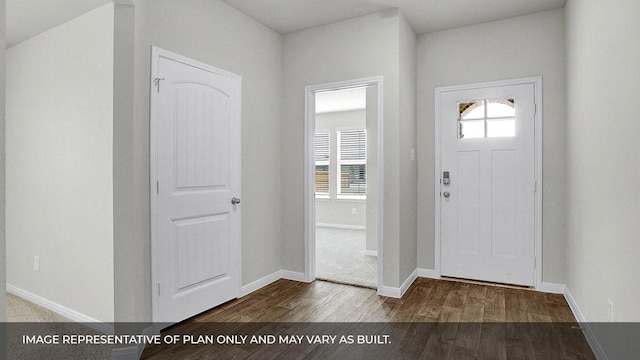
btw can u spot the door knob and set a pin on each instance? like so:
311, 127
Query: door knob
446, 194
235, 201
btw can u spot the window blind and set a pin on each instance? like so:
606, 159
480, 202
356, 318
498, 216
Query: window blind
321, 143
321, 146
353, 145
352, 162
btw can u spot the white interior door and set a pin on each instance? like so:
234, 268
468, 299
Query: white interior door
487, 190
197, 148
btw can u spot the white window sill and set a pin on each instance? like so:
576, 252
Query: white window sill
323, 197
352, 198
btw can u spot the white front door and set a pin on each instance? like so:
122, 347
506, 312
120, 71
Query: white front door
487, 190
196, 235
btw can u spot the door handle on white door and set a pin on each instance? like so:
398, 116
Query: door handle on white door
446, 194
235, 201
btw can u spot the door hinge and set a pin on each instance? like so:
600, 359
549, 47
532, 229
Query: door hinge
158, 289
156, 81
157, 187
535, 186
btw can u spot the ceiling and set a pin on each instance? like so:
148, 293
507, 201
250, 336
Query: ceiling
27, 18
286, 16
341, 100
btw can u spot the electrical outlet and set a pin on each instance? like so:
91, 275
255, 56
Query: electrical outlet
36, 263
353, 211
610, 303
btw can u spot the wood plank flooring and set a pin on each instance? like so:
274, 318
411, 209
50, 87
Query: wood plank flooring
435, 319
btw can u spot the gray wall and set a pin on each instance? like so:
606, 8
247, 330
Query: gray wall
361, 47
59, 151
332, 210
372, 168
603, 201
408, 167
131, 258
3, 314
214, 33
518, 47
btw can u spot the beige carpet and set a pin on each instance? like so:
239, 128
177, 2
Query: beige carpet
21, 310
339, 257
26, 318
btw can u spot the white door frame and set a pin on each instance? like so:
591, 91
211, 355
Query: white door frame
156, 54
309, 171
536, 81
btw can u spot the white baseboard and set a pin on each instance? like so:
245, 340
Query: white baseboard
71, 314
293, 275
132, 352
588, 333
405, 285
266, 280
427, 273
372, 253
395, 292
552, 288
260, 283
389, 291
342, 226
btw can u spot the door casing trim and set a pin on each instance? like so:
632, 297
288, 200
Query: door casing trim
309, 168
536, 81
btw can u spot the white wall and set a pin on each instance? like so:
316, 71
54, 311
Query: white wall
3, 314
59, 150
336, 211
518, 47
603, 201
212, 32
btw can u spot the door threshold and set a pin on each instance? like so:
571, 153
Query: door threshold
346, 283
483, 282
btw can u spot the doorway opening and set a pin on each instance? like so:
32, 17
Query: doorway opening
343, 182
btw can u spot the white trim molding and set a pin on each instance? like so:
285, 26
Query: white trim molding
395, 292
71, 314
260, 283
293, 275
268, 279
372, 253
588, 333
341, 226
133, 352
552, 288
427, 273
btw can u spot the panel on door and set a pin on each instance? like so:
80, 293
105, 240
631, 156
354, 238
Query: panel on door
197, 228
487, 206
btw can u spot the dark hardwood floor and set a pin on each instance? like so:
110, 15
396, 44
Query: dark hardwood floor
435, 319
